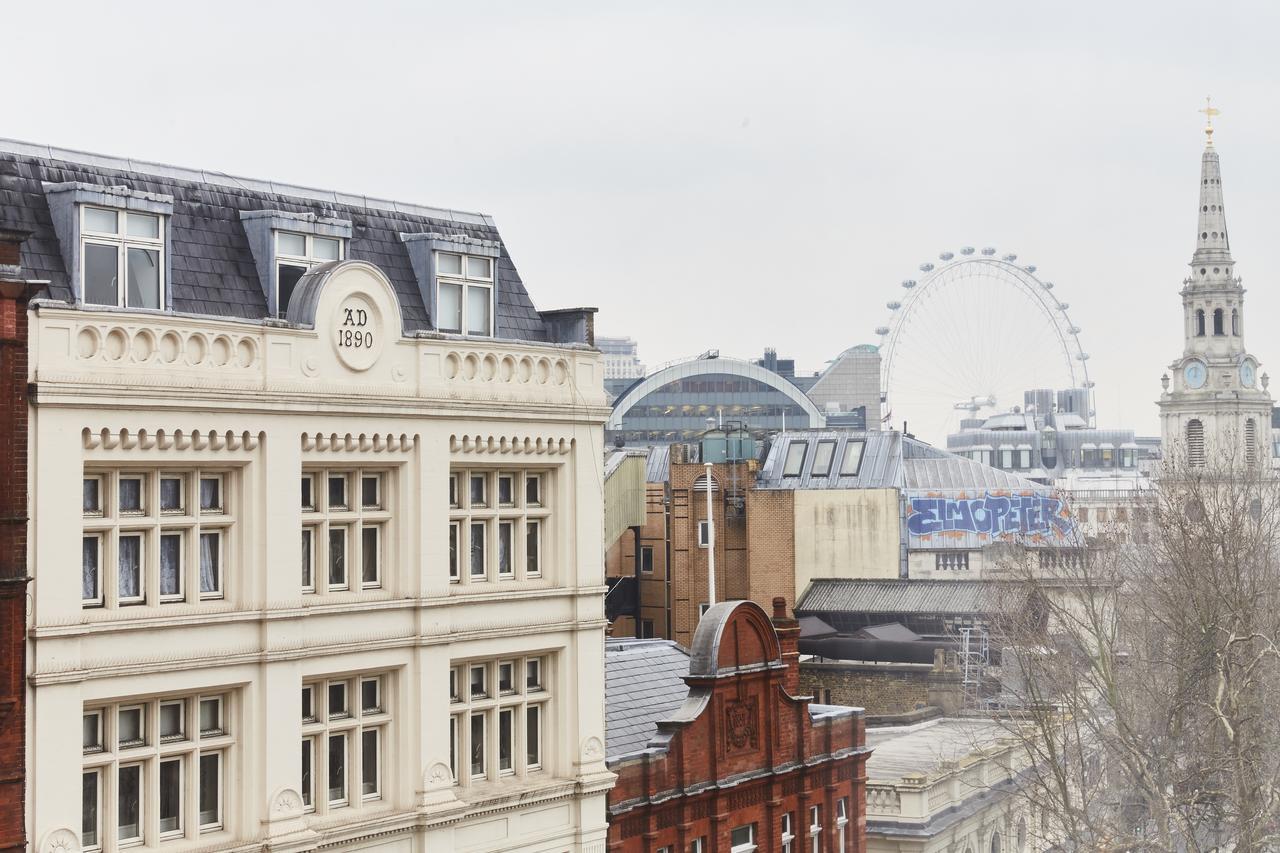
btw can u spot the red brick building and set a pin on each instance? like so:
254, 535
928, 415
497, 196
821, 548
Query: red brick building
14, 294
715, 752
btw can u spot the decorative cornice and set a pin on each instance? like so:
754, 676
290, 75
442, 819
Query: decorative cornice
510, 444
161, 439
362, 442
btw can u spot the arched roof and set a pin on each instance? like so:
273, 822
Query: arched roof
752, 640
705, 366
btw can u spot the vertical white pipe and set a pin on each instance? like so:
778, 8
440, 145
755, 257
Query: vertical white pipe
711, 543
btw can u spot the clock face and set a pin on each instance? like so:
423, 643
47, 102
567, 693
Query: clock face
1195, 374
1248, 373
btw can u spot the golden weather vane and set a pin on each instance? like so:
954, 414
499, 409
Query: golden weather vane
1209, 112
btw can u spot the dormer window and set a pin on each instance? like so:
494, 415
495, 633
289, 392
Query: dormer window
122, 260
464, 294
295, 254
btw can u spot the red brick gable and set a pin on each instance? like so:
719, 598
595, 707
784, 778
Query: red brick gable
741, 750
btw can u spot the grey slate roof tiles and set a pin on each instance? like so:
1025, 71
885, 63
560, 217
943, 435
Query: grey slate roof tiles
213, 271
835, 595
644, 683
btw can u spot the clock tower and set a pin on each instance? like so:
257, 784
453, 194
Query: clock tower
1215, 408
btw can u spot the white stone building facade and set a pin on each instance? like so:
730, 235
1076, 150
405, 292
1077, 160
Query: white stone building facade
333, 579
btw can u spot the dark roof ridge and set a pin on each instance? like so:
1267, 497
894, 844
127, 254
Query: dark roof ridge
215, 177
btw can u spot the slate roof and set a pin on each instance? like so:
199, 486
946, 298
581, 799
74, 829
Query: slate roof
213, 270
644, 683
900, 751
831, 595
889, 460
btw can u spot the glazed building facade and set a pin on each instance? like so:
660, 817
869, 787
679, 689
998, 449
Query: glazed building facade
315, 527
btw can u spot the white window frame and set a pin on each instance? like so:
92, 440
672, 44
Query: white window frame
108, 524
842, 823
307, 260
464, 281
743, 846
322, 519
490, 705
788, 835
815, 829
476, 511
121, 241
704, 533
189, 746
351, 723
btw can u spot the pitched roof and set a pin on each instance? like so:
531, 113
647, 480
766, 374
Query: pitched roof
829, 595
213, 271
644, 683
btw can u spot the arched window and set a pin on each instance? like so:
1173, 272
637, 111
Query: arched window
1250, 442
1235, 322
1195, 443
1199, 322
1217, 322
995, 842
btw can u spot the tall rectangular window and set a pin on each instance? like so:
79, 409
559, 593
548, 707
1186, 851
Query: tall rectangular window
822, 458
346, 529
162, 539
464, 294
122, 258
496, 723
794, 462
151, 772
504, 516
344, 741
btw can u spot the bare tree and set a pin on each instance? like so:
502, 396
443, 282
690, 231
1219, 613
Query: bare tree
1143, 680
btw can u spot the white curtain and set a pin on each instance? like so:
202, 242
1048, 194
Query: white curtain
170, 564
89, 568
130, 566
209, 544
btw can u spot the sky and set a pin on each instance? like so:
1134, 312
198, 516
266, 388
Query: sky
726, 175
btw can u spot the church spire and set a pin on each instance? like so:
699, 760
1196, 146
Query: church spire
1212, 246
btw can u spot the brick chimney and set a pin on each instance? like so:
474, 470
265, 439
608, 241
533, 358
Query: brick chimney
788, 630
14, 295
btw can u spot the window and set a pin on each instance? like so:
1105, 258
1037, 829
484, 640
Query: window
122, 261
852, 461
497, 533
1235, 322
345, 536
1217, 322
1250, 442
1195, 443
704, 534
795, 458
743, 839
815, 829
344, 742
646, 629
464, 294
842, 825
822, 457
295, 254
646, 559
138, 761
497, 732
1199, 322
788, 832
699, 845
154, 537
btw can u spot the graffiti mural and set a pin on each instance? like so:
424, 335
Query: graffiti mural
990, 515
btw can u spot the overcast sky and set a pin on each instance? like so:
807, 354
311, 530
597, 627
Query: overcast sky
733, 175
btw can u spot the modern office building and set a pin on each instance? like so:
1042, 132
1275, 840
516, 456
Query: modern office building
337, 487
621, 358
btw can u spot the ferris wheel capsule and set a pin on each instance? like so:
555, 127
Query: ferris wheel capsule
989, 251
926, 267
946, 256
966, 250
1010, 258
909, 283
1075, 330
1084, 356
1047, 285
893, 306
882, 330
1030, 268
1063, 306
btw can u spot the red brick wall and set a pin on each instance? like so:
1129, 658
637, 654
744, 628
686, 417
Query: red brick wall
13, 553
620, 562
718, 744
